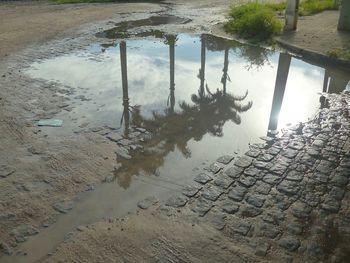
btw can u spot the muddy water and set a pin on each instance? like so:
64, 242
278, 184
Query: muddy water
199, 97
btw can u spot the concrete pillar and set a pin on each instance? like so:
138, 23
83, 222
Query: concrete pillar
280, 87
291, 15
344, 19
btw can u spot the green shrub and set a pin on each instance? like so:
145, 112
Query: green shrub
253, 20
310, 7
340, 54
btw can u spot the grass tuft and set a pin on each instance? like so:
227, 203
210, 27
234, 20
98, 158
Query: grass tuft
306, 7
254, 21
340, 54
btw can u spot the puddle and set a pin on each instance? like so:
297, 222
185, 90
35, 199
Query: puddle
121, 29
199, 97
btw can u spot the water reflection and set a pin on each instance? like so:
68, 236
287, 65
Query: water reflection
194, 93
207, 114
335, 81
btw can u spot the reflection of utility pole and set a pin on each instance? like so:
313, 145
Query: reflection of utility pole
335, 80
172, 74
202, 69
225, 75
123, 61
280, 87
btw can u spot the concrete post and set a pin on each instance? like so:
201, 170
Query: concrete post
291, 15
344, 19
280, 87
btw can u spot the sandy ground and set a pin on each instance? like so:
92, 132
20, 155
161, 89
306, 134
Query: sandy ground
40, 22
40, 169
150, 236
318, 33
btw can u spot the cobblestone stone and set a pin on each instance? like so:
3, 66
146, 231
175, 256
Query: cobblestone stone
289, 243
243, 162
234, 172
203, 178
212, 193
226, 159
237, 193
250, 211
247, 181
191, 190
236, 225
256, 200
230, 207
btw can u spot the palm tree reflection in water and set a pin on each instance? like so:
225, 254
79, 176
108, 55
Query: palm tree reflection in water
172, 129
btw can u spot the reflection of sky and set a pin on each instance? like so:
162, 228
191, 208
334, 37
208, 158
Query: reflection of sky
98, 77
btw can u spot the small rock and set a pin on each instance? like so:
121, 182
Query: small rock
63, 207
5, 248
177, 201
147, 202
6, 170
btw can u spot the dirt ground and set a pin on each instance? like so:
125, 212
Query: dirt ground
318, 33
42, 172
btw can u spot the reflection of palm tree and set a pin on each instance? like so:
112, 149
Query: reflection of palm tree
170, 130
225, 76
171, 40
123, 62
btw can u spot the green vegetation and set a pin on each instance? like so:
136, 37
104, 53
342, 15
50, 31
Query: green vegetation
253, 20
258, 21
310, 7
307, 7
340, 54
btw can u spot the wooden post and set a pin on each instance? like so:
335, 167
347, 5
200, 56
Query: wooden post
344, 19
124, 69
291, 15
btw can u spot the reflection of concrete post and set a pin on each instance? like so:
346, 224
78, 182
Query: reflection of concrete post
280, 87
123, 62
344, 19
325, 81
172, 76
291, 16
202, 70
224, 77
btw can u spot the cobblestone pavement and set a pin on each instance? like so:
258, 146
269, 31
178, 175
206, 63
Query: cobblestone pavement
287, 197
